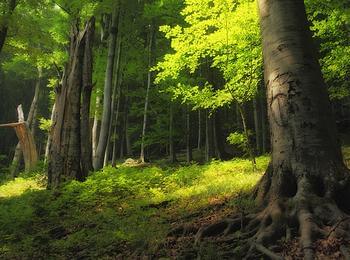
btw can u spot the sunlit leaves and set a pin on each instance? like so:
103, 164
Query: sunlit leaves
222, 34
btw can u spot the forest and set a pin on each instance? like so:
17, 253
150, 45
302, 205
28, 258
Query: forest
175, 129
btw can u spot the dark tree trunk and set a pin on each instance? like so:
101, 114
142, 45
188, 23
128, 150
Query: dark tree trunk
172, 153
86, 144
209, 140
264, 126
188, 136
65, 155
5, 22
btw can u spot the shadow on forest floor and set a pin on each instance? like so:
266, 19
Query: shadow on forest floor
123, 212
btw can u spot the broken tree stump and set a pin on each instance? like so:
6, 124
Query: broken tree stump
26, 140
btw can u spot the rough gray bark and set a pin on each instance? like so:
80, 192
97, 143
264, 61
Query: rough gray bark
149, 79
66, 150
107, 93
264, 127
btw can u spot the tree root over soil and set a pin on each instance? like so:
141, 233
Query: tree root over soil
315, 215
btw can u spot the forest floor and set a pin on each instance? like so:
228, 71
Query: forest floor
150, 211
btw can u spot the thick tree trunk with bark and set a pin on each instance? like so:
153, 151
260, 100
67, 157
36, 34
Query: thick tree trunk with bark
66, 149
107, 93
306, 188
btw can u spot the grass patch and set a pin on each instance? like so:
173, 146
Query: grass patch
117, 211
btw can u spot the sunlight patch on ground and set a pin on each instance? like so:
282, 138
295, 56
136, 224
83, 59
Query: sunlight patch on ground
19, 186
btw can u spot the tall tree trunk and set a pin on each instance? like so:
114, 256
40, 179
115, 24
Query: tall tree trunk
306, 186
149, 79
95, 127
65, 154
107, 93
85, 130
4, 26
115, 96
188, 136
199, 141
117, 112
31, 121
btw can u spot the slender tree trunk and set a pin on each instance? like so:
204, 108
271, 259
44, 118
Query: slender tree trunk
188, 135
4, 25
172, 154
95, 128
199, 142
115, 96
246, 133
117, 112
107, 93
257, 126
31, 121
149, 79
85, 130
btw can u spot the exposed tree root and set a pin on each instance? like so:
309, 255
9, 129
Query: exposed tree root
308, 215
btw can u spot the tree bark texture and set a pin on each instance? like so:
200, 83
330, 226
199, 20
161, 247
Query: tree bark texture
107, 93
66, 161
306, 184
306, 188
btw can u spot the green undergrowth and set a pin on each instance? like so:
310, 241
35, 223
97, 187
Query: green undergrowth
115, 211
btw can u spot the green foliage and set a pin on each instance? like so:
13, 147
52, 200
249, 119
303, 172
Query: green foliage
222, 35
240, 140
115, 210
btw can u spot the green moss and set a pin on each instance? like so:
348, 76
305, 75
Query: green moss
114, 209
